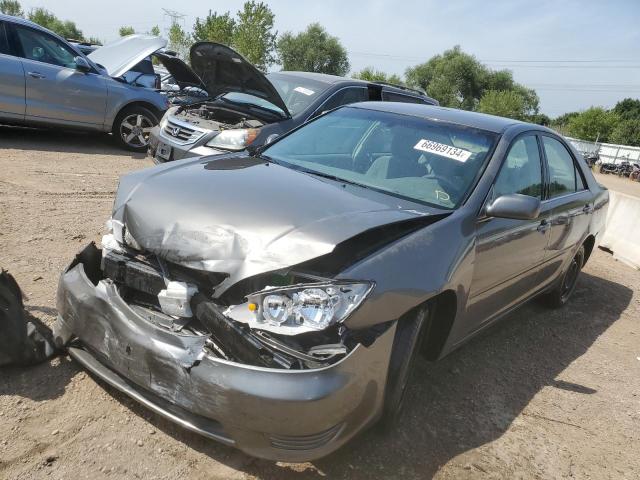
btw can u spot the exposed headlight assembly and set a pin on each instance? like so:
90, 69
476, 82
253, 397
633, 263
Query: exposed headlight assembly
234, 139
301, 308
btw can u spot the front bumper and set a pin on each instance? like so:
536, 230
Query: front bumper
284, 415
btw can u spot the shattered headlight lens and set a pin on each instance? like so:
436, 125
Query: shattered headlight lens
306, 307
234, 139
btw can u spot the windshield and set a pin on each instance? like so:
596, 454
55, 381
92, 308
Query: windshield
428, 161
246, 98
297, 92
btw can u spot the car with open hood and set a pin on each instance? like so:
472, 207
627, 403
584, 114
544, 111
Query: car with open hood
244, 107
46, 81
276, 300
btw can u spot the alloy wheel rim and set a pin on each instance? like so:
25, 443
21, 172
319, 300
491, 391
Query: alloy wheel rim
135, 130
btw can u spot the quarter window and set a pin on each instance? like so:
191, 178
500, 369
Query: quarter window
522, 170
563, 177
42, 47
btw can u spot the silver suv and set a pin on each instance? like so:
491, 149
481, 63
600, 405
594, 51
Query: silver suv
46, 81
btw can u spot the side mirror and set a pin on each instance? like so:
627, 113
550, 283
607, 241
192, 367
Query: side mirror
82, 65
515, 206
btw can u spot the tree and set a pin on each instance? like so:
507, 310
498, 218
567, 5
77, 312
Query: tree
505, 103
45, 18
313, 50
126, 30
457, 79
594, 123
155, 31
626, 132
11, 7
254, 36
372, 75
179, 41
628, 109
94, 41
215, 28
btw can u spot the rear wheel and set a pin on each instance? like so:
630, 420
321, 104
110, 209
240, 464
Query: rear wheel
406, 346
132, 128
560, 295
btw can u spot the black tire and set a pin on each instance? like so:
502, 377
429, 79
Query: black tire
559, 296
132, 127
406, 347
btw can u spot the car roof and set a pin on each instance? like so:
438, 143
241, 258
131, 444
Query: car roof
23, 21
481, 121
335, 79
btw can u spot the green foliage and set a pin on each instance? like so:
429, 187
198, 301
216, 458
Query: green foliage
457, 79
155, 31
628, 109
11, 7
372, 75
126, 30
64, 28
313, 50
179, 41
505, 103
94, 41
626, 132
215, 28
540, 119
254, 36
594, 123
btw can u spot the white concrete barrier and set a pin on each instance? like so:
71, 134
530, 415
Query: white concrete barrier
622, 234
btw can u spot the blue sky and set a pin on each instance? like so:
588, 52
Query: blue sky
575, 54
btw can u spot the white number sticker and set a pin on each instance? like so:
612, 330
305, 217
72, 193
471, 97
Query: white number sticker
306, 91
443, 150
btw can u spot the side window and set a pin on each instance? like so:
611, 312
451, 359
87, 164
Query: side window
42, 47
4, 43
521, 171
346, 96
563, 177
388, 96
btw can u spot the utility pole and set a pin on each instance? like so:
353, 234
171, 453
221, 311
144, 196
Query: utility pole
174, 16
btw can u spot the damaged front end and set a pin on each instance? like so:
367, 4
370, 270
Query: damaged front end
152, 329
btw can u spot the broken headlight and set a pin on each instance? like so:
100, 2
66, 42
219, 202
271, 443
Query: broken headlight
234, 139
306, 307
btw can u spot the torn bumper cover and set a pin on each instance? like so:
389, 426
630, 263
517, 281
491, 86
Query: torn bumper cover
278, 414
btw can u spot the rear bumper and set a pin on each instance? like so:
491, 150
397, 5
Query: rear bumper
275, 414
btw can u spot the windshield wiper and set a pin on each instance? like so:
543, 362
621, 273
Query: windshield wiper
332, 177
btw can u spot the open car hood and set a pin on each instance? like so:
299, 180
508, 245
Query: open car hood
224, 70
122, 55
182, 73
242, 216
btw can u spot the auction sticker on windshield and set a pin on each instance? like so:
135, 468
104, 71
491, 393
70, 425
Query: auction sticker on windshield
443, 150
306, 91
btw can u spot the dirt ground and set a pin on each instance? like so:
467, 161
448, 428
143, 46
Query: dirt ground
544, 394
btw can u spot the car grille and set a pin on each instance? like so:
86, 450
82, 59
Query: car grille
181, 132
306, 442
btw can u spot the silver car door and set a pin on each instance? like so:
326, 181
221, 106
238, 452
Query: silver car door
56, 92
12, 102
509, 252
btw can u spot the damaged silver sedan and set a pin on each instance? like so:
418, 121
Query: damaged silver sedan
275, 300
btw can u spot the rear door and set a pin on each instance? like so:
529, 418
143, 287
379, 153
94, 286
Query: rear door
56, 92
12, 83
509, 252
570, 206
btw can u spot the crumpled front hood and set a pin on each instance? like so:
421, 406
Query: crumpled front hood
242, 216
122, 55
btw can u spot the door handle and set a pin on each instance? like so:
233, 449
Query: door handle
35, 75
587, 209
543, 227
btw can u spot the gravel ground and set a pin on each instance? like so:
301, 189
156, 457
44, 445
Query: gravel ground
544, 394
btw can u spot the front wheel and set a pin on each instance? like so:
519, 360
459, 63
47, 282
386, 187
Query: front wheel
406, 346
132, 128
560, 295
